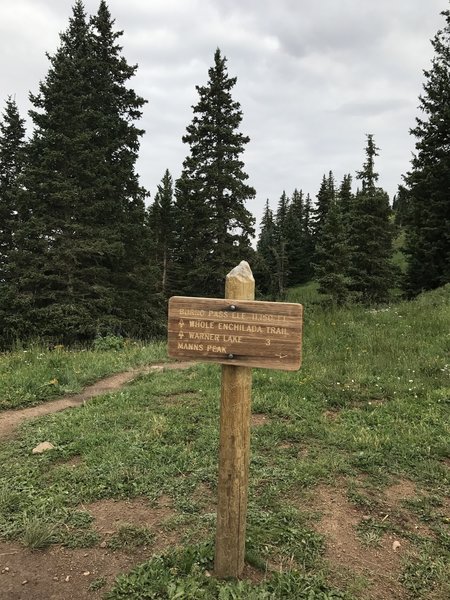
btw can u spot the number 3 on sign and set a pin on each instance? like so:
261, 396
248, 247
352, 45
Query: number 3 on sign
267, 342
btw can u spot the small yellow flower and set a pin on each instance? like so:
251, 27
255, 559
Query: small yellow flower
53, 382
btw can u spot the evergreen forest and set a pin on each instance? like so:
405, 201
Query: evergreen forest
86, 252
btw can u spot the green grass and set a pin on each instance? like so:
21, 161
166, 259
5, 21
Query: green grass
35, 374
130, 536
185, 574
383, 376
305, 294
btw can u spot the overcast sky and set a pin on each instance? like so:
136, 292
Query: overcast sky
314, 76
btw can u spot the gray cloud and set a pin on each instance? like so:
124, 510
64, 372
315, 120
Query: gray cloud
313, 77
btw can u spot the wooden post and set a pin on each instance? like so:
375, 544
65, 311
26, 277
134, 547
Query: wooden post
234, 451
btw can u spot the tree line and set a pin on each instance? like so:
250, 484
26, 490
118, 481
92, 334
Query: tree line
344, 241
83, 253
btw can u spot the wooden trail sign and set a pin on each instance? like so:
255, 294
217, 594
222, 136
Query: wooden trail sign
239, 333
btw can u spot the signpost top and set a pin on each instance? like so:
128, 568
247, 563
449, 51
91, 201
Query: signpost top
236, 332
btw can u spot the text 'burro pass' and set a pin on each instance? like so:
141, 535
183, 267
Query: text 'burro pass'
238, 332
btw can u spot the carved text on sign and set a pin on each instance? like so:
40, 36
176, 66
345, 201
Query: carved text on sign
244, 332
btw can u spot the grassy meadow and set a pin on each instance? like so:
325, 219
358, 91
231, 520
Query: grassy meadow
31, 375
368, 410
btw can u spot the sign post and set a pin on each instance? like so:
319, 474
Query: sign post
234, 446
240, 333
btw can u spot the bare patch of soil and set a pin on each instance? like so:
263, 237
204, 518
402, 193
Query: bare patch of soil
392, 500
10, 419
62, 574
404, 489
388, 506
259, 419
253, 574
110, 515
380, 566
57, 573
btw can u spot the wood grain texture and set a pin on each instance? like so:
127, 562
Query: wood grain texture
234, 450
240, 333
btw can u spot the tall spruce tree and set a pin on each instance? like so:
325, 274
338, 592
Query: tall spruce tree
48, 237
325, 197
298, 236
281, 245
214, 225
333, 257
82, 265
163, 225
139, 309
308, 238
370, 236
428, 220
12, 158
345, 197
265, 270
400, 206
293, 232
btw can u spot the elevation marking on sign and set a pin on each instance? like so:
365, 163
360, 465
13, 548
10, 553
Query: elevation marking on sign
247, 333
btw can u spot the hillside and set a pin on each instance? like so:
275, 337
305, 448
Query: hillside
349, 478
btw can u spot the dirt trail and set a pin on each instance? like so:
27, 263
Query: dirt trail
10, 419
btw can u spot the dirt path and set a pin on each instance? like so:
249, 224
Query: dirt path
10, 419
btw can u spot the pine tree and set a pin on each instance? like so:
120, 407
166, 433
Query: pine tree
333, 257
162, 223
333, 251
12, 158
48, 236
308, 238
346, 198
138, 307
214, 226
368, 176
428, 222
299, 251
325, 197
400, 206
293, 232
265, 269
370, 236
280, 247
82, 265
